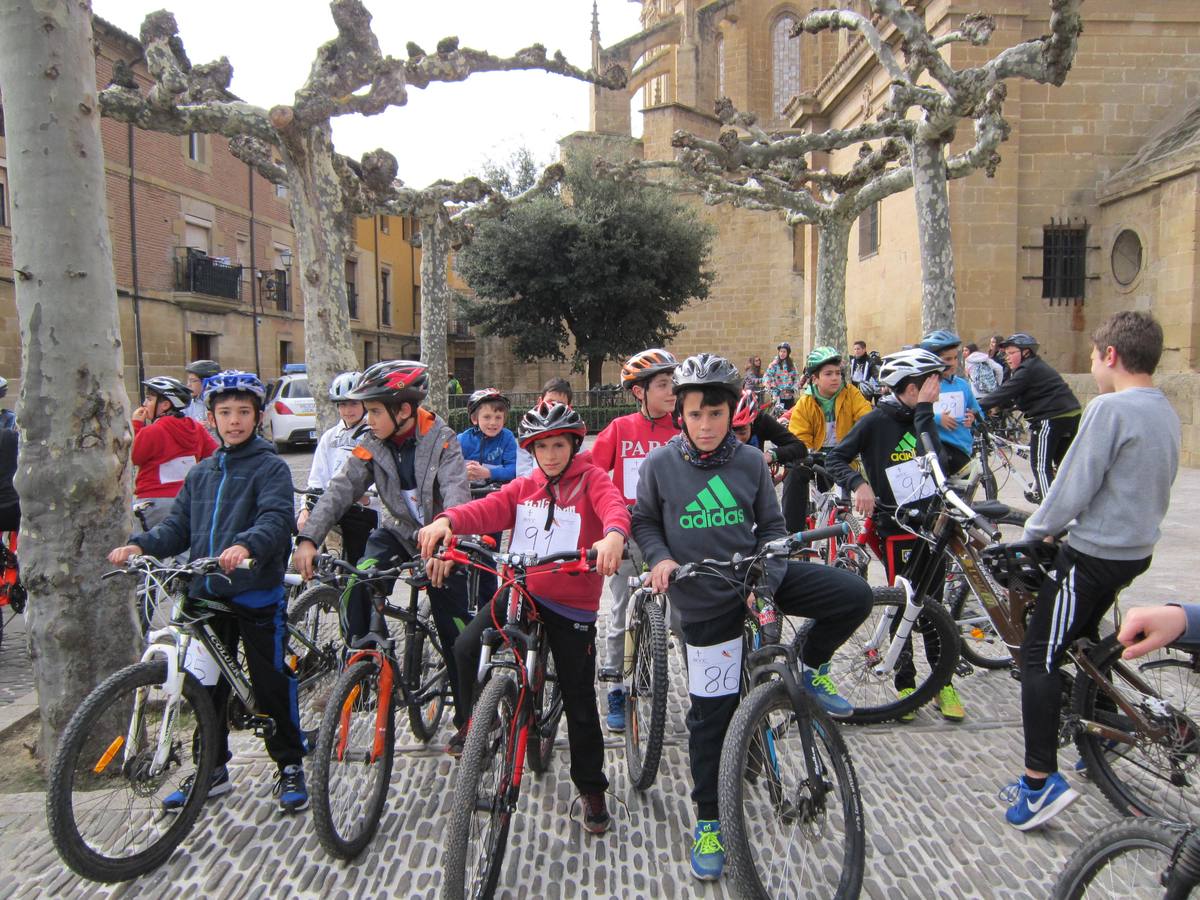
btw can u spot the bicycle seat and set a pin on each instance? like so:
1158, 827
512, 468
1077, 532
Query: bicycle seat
991, 509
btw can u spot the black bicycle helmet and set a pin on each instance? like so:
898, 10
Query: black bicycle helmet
548, 419
1021, 339
784, 345
707, 370
203, 368
170, 389
486, 395
393, 381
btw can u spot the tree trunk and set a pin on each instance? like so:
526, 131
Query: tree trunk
595, 372
933, 233
436, 297
73, 476
324, 229
833, 248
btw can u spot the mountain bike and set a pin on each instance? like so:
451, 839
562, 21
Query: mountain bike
646, 676
148, 728
12, 592
845, 550
1133, 858
791, 812
994, 462
354, 754
513, 723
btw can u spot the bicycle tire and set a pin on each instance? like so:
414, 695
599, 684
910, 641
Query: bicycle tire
315, 615
647, 681
751, 762
1149, 778
422, 653
539, 746
1103, 867
873, 695
345, 813
87, 732
978, 641
491, 744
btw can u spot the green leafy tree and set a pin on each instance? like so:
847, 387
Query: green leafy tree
516, 175
604, 264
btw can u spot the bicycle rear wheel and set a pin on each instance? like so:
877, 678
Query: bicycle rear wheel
932, 653
484, 797
1123, 860
104, 808
789, 826
426, 677
1149, 777
314, 652
353, 761
646, 704
547, 712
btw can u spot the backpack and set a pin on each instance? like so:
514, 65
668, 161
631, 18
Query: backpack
983, 379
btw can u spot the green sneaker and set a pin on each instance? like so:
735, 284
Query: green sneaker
951, 706
912, 713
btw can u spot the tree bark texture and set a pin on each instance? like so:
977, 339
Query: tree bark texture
73, 475
932, 198
436, 299
833, 248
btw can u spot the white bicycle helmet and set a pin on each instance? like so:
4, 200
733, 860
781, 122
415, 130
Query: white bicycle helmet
342, 386
911, 363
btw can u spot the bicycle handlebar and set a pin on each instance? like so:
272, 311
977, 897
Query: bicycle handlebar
951, 496
524, 561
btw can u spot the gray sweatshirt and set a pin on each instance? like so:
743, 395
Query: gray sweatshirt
1114, 484
687, 514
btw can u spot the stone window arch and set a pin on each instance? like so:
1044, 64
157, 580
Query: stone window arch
785, 62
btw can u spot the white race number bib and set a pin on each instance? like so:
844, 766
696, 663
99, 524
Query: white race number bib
530, 535
200, 663
954, 403
715, 671
909, 484
631, 468
176, 469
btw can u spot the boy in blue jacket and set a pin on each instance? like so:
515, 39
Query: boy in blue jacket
237, 505
956, 408
489, 448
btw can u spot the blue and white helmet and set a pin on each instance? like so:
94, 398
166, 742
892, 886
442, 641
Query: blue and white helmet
233, 381
342, 386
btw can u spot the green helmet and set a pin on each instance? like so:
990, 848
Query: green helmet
821, 356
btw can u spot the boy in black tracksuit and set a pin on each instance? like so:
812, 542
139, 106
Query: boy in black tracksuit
706, 495
1047, 403
888, 440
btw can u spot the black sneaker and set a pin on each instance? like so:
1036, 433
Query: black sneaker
455, 745
1033, 497
291, 789
218, 787
596, 819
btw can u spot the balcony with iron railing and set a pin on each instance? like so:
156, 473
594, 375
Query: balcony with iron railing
460, 329
198, 273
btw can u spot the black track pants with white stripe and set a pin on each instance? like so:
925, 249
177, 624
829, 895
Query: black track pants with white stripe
1049, 440
1071, 604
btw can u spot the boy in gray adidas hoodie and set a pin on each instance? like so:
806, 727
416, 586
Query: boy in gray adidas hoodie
1112, 491
705, 495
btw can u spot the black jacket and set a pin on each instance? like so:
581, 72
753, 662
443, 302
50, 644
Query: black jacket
788, 447
889, 435
1036, 389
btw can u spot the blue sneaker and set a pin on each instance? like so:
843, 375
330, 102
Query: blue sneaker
218, 787
1028, 809
616, 710
708, 856
291, 789
818, 683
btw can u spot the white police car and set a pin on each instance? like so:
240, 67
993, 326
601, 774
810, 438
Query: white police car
291, 412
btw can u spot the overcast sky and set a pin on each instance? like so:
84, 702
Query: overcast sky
446, 130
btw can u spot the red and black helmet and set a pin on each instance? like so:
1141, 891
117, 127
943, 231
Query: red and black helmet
393, 381
486, 395
548, 419
747, 410
645, 365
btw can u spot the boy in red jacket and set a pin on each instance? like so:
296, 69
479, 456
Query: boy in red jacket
564, 504
166, 445
621, 448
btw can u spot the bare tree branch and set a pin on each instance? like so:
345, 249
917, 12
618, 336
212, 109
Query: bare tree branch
834, 19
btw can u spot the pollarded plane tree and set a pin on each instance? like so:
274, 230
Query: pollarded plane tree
928, 91
749, 168
292, 144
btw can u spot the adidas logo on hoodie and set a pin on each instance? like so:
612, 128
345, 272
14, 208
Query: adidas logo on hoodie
713, 507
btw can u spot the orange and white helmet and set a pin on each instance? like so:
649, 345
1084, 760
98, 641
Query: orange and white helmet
645, 365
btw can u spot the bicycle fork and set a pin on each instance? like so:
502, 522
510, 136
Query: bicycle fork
172, 655
912, 609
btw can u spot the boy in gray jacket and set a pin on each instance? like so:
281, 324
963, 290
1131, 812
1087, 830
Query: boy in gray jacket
414, 460
704, 494
1112, 491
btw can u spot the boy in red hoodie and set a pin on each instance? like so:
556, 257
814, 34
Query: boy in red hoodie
563, 504
621, 448
166, 445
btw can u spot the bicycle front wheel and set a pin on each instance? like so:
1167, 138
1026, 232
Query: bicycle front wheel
1150, 777
353, 761
426, 677
314, 650
1122, 860
790, 824
104, 802
925, 663
646, 705
484, 798
979, 641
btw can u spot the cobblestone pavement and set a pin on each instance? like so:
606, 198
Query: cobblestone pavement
934, 824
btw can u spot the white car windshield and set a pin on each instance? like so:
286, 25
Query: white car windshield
297, 388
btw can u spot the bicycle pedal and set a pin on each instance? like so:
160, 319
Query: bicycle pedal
607, 674
964, 669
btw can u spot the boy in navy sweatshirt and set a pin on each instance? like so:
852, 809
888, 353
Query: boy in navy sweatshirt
1113, 489
707, 495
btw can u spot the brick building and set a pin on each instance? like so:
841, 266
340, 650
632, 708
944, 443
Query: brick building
1094, 207
203, 250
